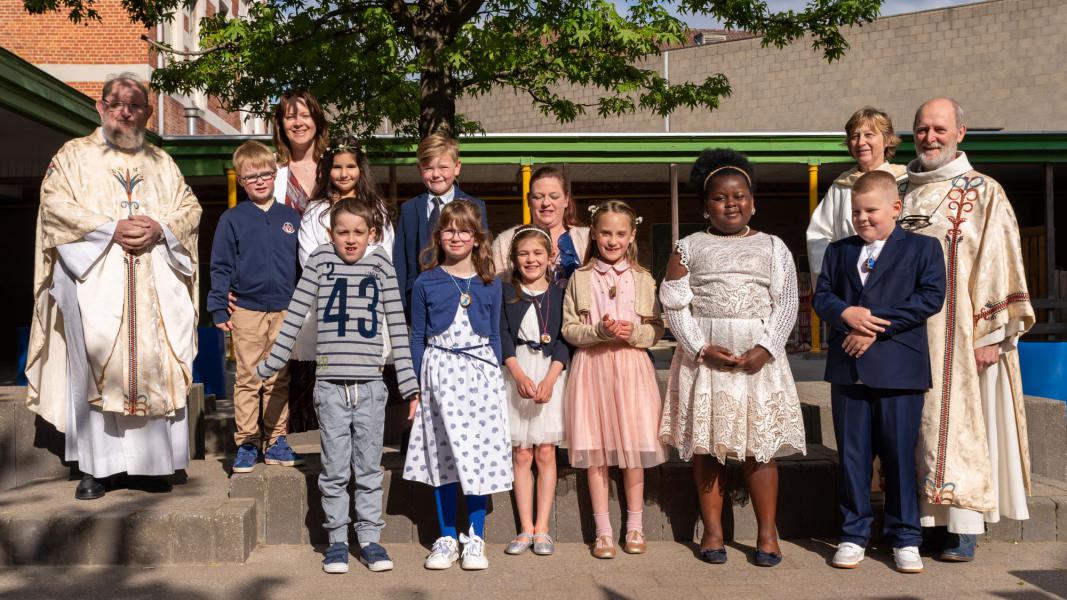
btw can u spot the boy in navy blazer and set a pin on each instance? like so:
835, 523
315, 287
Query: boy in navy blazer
439, 165
876, 291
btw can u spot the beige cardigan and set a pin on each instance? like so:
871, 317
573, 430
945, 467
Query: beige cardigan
502, 248
576, 305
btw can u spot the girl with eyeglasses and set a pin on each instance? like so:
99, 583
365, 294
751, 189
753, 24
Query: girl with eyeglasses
460, 439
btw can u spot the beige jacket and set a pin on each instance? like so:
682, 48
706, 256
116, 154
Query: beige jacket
576, 306
502, 248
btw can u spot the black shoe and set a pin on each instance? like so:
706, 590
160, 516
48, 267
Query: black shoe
714, 556
150, 484
90, 488
767, 559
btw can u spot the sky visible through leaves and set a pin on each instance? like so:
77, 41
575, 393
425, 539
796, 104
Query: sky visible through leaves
889, 7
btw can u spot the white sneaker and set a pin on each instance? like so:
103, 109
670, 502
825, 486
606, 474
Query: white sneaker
908, 559
848, 555
444, 552
473, 552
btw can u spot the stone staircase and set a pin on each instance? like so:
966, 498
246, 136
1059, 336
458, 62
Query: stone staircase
211, 517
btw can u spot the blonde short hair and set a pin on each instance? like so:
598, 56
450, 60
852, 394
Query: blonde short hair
877, 182
435, 145
253, 155
880, 121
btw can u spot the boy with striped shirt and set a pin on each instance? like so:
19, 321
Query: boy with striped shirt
355, 294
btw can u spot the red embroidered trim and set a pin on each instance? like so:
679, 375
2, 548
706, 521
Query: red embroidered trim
992, 308
961, 199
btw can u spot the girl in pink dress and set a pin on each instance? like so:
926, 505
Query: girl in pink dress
611, 314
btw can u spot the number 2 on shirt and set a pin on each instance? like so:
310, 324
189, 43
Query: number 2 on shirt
337, 307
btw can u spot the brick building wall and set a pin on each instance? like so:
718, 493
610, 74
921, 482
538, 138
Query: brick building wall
82, 55
1003, 60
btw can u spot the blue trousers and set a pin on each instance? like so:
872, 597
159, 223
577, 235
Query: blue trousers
870, 421
447, 499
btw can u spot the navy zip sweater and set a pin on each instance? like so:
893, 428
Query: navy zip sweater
254, 255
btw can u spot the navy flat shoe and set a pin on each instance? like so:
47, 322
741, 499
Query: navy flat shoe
713, 556
767, 559
959, 548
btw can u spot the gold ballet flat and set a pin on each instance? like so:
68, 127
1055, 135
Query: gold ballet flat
635, 542
604, 547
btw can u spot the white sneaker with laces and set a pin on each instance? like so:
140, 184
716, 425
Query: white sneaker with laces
443, 553
473, 552
848, 555
908, 560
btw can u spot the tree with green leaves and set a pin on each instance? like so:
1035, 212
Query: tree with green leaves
406, 63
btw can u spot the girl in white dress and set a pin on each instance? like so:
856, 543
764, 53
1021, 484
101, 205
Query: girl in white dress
731, 299
460, 438
535, 356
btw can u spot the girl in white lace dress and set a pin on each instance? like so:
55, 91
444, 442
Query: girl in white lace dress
731, 300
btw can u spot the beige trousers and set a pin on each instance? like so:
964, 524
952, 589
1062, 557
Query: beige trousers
253, 335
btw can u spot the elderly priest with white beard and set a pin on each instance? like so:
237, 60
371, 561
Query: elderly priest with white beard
973, 454
113, 333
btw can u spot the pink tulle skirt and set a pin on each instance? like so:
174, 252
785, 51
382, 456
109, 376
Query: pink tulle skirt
613, 408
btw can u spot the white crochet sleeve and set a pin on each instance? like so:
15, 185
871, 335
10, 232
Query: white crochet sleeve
784, 301
675, 297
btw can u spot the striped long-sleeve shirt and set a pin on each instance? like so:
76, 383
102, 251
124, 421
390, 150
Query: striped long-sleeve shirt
352, 303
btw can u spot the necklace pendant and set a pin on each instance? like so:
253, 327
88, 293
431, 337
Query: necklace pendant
545, 338
611, 292
464, 299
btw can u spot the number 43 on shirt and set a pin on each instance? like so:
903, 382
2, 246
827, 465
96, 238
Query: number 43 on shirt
337, 307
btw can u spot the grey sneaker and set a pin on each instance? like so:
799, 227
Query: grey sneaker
520, 544
543, 544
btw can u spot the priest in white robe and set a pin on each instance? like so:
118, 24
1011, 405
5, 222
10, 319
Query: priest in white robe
113, 333
973, 455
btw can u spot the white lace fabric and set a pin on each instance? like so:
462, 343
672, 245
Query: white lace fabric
739, 293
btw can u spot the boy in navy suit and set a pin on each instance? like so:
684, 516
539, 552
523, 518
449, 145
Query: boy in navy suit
439, 165
876, 291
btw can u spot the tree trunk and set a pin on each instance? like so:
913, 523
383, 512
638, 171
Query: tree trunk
437, 100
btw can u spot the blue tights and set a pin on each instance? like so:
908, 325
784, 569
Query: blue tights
447, 498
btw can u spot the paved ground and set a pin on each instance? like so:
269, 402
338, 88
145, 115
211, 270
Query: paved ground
669, 570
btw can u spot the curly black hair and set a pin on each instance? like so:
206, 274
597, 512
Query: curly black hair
716, 158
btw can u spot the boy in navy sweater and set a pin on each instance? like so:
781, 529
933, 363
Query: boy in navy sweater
254, 256
876, 290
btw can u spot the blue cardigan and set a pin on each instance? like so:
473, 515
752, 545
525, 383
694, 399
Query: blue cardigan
514, 312
413, 234
434, 300
253, 255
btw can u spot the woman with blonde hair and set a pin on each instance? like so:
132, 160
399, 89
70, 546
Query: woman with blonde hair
872, 142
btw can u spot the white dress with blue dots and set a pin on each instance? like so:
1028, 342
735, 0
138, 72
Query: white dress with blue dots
461, 431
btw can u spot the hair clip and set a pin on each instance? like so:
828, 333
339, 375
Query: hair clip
342, 148
593, 208
637, 220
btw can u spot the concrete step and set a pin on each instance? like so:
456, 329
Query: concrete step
197, 523
32, 450
289, 506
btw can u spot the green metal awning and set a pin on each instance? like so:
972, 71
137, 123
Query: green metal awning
210, 155
34, 94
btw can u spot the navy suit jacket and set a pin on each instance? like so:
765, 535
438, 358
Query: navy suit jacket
413, 234
906, 287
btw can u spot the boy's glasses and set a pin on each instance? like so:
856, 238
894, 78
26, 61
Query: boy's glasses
264, 176
463, 235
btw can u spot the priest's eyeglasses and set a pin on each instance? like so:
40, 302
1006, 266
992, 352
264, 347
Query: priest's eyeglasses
257, 177
463, 235
116, 107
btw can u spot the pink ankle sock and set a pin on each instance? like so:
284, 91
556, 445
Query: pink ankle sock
603, 524
633, 521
